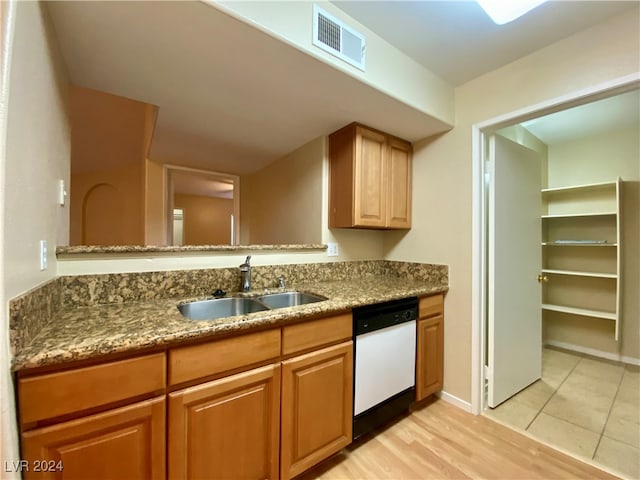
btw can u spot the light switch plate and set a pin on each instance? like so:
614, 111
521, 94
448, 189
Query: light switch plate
62, 193
43, 255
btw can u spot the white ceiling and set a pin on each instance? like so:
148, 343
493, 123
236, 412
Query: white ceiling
592, 118
233, 99
457, 40
193, 183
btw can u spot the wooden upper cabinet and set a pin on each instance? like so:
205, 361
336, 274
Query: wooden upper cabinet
370, 179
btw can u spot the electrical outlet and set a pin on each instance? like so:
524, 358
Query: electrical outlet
332, 250
43, 255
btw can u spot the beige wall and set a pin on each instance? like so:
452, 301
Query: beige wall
155, 204
388, 69
602, 158
206, 220
282, 203
35, 155
442, 216
110, 138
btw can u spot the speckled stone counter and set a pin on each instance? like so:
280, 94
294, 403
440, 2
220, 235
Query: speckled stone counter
63, 251
83, 332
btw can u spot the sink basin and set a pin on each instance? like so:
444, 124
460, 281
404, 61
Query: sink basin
289, 299
220, 308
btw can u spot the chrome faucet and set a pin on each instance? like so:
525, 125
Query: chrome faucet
245, 275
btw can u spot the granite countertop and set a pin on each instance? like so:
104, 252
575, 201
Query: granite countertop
100, 249
81, 333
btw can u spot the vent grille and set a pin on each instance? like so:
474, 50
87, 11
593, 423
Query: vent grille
337, 38
328, 32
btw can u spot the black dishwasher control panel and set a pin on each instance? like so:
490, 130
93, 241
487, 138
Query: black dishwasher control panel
382, 315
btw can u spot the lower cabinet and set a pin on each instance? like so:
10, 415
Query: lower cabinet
227, 428
317, 403
127, 442
288, 408
430, 347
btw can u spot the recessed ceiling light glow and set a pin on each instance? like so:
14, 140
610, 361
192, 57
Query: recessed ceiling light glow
505, 11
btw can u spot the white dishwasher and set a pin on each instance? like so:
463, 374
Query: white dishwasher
385, 362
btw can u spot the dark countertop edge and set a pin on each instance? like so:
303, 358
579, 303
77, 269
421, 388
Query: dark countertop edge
216, 329
76, 250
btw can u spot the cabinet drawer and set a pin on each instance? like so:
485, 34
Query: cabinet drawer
70, 391
316, 333
430, 306
198, 361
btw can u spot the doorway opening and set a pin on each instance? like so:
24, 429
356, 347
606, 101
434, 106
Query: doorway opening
483, 216
209, 205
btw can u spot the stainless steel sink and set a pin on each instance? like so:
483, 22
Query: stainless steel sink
289, 299
220, 308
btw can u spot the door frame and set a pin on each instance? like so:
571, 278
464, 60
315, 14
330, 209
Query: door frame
480, 133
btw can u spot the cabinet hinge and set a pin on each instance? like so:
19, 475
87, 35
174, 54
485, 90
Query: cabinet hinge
487, 373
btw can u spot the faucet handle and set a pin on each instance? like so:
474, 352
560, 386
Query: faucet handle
281, 282
245, 266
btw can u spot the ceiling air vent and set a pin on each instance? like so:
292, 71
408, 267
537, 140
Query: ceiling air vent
337, 38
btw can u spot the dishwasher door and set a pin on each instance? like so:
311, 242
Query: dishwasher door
385, 364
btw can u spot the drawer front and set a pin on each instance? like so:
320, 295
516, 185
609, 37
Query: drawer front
198, 361
430, 306
62, 393
316, 333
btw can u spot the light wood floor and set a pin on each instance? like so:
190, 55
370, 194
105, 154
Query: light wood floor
441, 441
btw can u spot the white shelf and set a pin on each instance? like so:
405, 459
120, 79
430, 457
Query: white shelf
578, 244
588, 186
580, 274
582, 216
580, 311
585, 214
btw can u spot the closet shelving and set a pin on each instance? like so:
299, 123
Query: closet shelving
581, 250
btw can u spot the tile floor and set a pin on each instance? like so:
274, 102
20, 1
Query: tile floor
585, 405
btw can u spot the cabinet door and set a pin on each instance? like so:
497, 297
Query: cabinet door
370, 197
430, 354
127, 442
317, 405
399, 184
227, 428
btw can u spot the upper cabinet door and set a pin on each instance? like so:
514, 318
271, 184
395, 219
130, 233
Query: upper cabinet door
370, 179
399, 184
370, 197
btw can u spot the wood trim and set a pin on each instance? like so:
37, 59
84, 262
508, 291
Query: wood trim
430, 306
127, 442
218, 356
72, 391
341, 152
316, 333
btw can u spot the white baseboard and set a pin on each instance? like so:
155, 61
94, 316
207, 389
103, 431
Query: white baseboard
593, 352
453, 400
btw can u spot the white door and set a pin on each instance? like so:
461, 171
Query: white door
514, 262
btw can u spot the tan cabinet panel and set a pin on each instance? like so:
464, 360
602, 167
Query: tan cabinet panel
316, 333
127, 442
430, 357
198, 361
370, 179
317, 405
227, 428
70, 391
